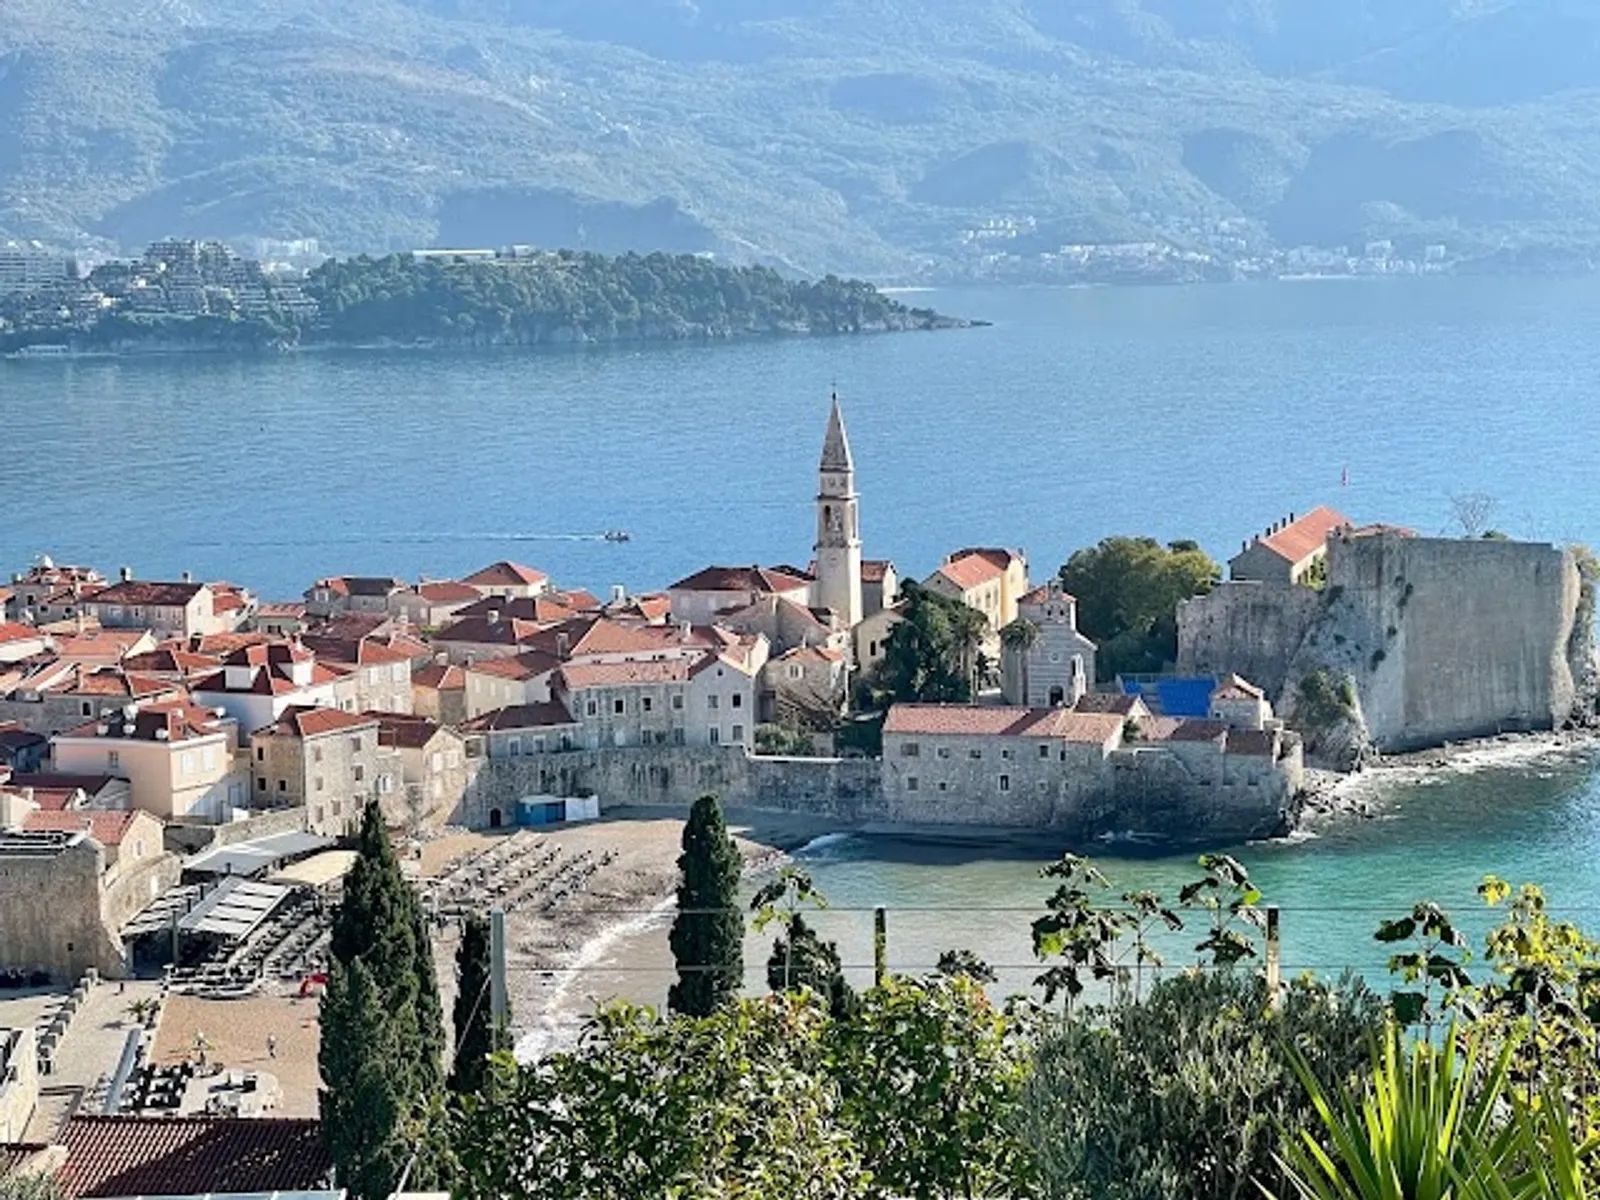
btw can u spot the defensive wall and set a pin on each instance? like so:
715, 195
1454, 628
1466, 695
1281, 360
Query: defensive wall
1441, 638
1178, 791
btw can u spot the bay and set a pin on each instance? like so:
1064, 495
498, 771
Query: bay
1186, 412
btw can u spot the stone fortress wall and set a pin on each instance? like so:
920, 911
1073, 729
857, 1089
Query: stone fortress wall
1442, 638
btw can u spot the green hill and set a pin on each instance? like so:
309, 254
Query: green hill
865, 136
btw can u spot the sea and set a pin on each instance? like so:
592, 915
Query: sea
1202, 413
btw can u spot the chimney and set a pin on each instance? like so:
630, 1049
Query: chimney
619, 594
188, 577
1291, 518
125, 574
494, 616
684, 630
563, 646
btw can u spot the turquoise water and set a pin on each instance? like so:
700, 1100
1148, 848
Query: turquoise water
1202, 412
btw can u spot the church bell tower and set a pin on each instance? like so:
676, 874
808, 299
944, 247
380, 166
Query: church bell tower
838, 548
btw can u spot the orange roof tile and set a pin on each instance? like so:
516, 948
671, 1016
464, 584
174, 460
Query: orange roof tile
107, 828
971, 720
505, 574
739, 579
302, 721
971, 571
441, 677
520, 716
192, 1156
11, 631
1305, 536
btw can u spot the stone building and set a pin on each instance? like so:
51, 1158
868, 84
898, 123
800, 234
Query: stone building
1054, 665
708, 701
67, 895
507, 682
340, 594
1085, 773
177, 757
804, 684
838, 547
47, 593
993, 581
1288, 551
328, 761
433, 771
259, 682
509, 579
59, 696
700, 598
522, 731
880, 586
439, 691
169, 609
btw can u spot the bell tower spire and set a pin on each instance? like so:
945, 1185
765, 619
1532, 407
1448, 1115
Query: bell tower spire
838, 548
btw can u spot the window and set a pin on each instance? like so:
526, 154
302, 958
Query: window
261, 785
738, 733
619, 706
316, 814
355, 743
943, 786
138, 848
715, 736
385, 784
1044, 751
591, 708
911, 783
711, 701
186, 762
974, 753
514, 747
944, 752
317, 784
283, 785
1005, 783
910, 749
398, 672
261, 754
737, 701
677, 702
646, 704
796, 671
316, 754
1005, 754
113, 759
436, 759
360, 772
1043, 787
88, 708
337, 808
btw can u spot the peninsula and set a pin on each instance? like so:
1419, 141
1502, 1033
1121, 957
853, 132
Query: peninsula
188, 296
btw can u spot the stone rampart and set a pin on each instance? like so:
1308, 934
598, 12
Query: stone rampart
1252, 629
847, 788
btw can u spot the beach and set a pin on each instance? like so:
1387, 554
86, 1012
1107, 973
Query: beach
608, 939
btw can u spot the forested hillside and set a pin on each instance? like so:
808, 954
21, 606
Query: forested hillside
902, 138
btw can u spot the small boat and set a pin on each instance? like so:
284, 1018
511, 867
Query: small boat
617, 535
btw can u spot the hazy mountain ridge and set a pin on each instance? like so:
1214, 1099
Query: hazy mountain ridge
859, 135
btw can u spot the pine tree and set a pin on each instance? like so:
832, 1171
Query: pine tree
382, 1054
475, 1033
708, 933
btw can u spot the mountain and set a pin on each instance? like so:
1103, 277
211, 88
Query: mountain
898, 138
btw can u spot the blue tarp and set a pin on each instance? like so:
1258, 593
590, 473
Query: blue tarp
1175, 697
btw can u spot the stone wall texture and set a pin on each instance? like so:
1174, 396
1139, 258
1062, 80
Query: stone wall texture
1442, 638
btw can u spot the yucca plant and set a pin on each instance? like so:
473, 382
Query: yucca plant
1548, 1163
1426, 1122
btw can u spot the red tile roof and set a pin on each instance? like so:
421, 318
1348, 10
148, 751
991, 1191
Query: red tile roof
1041, 595
997, 555
626, 674
506, 574
1305, 536
192, 1156
107, 828
1199, 731
146, 593
169, 661
964, 720
739, 579
11, 631
302, 721
168, 721
225, 643
404, 730
292, 609
447, 591
520, 716
1232, 687
363, 652
113, 681
541, 609
1253, 743
580, 601
970, 571
268, 654
873, 570
441, 677
530, 664
1109, 702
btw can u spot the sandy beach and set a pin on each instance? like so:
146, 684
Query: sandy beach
608, 938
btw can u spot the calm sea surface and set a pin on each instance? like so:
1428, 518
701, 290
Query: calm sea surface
1198, 413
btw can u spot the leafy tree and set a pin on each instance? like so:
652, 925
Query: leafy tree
931, 654
707, 936
964, 963
476, 1037
1128, 591
800, 958
738, 1104
931, 1074
1187, 1094
378, 927
30, 1185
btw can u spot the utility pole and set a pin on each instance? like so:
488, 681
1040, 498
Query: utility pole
1274, 961
880, 946
497, 973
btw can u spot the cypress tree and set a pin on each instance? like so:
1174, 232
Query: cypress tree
708, 933
804, 960
382, 1054
475, 1036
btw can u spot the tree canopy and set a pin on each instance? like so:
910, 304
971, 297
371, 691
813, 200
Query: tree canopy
1128, 589
931, 654
707, 936
476, 1036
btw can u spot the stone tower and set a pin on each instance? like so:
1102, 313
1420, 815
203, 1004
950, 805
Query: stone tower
838, 548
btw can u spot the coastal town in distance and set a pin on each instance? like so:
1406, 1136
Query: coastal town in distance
184, 765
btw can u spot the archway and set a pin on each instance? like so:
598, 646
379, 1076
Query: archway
494, 818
